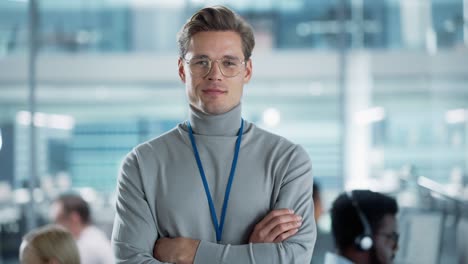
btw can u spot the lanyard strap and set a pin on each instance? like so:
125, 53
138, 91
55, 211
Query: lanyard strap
218, 227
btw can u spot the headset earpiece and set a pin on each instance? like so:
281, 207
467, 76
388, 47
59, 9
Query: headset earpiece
364, 241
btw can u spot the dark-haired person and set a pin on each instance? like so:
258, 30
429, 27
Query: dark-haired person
72, 212
215, 189
364, 227
317, 196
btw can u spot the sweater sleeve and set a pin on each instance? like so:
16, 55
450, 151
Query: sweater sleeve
295, 193
134, 232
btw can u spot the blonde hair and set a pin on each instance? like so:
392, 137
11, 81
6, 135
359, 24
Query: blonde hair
52, 242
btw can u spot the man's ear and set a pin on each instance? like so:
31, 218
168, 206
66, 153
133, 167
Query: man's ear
248, 71
181, 69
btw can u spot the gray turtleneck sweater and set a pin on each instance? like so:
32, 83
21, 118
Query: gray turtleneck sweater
160, 193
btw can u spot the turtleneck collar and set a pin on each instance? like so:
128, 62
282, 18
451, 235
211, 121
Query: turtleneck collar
226, 124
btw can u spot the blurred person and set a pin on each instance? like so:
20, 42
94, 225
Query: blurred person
50, 244
318, 208
215, 189
324, 240
364, 227
72, 212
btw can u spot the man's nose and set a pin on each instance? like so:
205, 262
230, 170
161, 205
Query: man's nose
215, 71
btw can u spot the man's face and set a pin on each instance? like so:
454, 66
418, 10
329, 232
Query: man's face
215, 93
58, 215
386, 240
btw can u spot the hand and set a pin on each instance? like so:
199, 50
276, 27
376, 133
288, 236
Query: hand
178, 250
276, 226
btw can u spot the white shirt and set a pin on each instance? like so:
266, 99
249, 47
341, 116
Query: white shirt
94, 247
331, 258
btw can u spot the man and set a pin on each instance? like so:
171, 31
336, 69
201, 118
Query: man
215, 189
364, 227
324, 241
72, 212
317, 196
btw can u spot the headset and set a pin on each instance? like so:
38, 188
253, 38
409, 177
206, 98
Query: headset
364, 241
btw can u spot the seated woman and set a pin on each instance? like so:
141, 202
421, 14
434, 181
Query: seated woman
51, 244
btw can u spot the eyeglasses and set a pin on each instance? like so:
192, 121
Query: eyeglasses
229, 67
394, 236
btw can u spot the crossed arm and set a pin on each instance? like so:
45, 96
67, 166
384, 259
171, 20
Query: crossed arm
275, 227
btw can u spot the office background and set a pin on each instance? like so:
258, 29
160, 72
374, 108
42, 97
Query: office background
376, 92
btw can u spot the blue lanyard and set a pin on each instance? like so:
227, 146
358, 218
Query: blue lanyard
218, 227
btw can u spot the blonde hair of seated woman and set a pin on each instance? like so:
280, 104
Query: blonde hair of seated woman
51, 244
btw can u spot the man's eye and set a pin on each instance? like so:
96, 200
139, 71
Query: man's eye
229, 63
201, 62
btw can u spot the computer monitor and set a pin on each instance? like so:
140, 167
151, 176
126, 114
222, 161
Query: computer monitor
421, 237
462, 241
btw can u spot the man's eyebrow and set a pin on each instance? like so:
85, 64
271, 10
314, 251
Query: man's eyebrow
202, 56
231, 57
